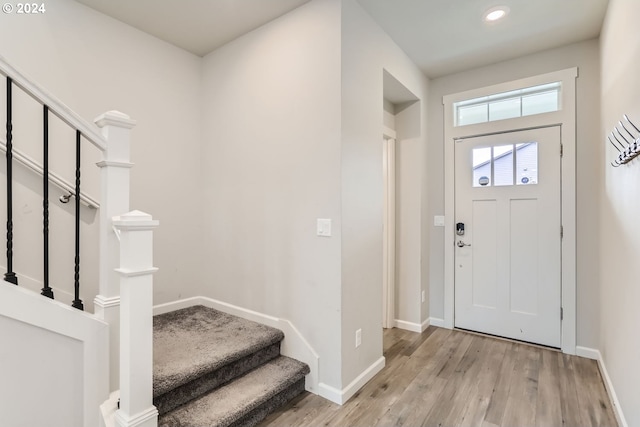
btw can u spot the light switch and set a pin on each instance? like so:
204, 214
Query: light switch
438, 220
324, 227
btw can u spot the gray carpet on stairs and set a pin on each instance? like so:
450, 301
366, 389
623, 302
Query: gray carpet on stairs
187, 344
214, 369
244, 401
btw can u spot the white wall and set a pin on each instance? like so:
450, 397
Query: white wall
47, 372
366, 51
94, 64
585, 56
619, 207
53, 362
287, 141
271, 156
410, 165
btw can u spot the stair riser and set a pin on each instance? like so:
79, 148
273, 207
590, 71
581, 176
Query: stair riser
208, 382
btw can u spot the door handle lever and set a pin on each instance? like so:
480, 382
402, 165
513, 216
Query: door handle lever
462, 244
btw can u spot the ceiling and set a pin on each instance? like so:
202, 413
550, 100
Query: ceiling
440, 36
447, 36
198, 26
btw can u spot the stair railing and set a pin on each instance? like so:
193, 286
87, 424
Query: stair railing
114, 142
50, 105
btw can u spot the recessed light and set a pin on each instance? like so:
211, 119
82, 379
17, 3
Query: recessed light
496, 13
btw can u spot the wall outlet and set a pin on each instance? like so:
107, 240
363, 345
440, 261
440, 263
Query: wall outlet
423, 296
358, 337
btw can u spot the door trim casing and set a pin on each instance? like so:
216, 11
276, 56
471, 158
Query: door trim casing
566, 119
389, 229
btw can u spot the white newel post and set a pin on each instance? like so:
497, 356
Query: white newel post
136, 320
114, 200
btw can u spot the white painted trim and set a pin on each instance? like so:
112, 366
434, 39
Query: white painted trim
115, 118
588, 353
330, 393
294, 344
342, 396
389, 232
388, 133
56, 107
436, 321
106, 302
413, 327
566, 117
124, 272
146, 418
592, 353
31, 308
123, 165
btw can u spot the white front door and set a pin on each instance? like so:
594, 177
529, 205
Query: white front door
508, 242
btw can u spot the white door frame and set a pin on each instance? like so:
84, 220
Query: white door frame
566, 118
389, 228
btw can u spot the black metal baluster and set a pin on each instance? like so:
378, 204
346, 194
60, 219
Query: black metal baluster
10, 276
46, 291
77, 302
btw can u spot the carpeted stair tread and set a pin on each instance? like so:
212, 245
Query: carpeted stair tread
244, 401
193, 342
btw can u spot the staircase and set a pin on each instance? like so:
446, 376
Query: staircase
214, 369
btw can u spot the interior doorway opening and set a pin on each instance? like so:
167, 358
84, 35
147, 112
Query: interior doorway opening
402, 166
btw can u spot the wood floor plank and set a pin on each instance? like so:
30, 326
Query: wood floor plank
468, 373
569, 403
380, 395
523, 393
549, 408
592, 396
419, 342
455, 354
498, 401
461, 364
453, 378
476, 410
424, 391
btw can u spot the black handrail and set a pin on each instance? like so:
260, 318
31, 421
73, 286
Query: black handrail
46, 291
10, 276
77, 302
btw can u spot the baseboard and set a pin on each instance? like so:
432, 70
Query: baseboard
589, 353
435, 321
294, 344
592, 353
342, 396
410, 326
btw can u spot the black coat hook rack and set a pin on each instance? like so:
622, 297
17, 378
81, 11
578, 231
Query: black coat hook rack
627, 143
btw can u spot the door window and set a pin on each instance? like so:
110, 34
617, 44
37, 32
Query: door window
504, 165
508, 105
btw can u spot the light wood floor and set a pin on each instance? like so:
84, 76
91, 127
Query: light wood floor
454, 378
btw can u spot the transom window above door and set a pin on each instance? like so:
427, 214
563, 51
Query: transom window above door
508, 105
501, 165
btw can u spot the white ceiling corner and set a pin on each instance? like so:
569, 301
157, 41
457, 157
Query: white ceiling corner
440, 36
196, 26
